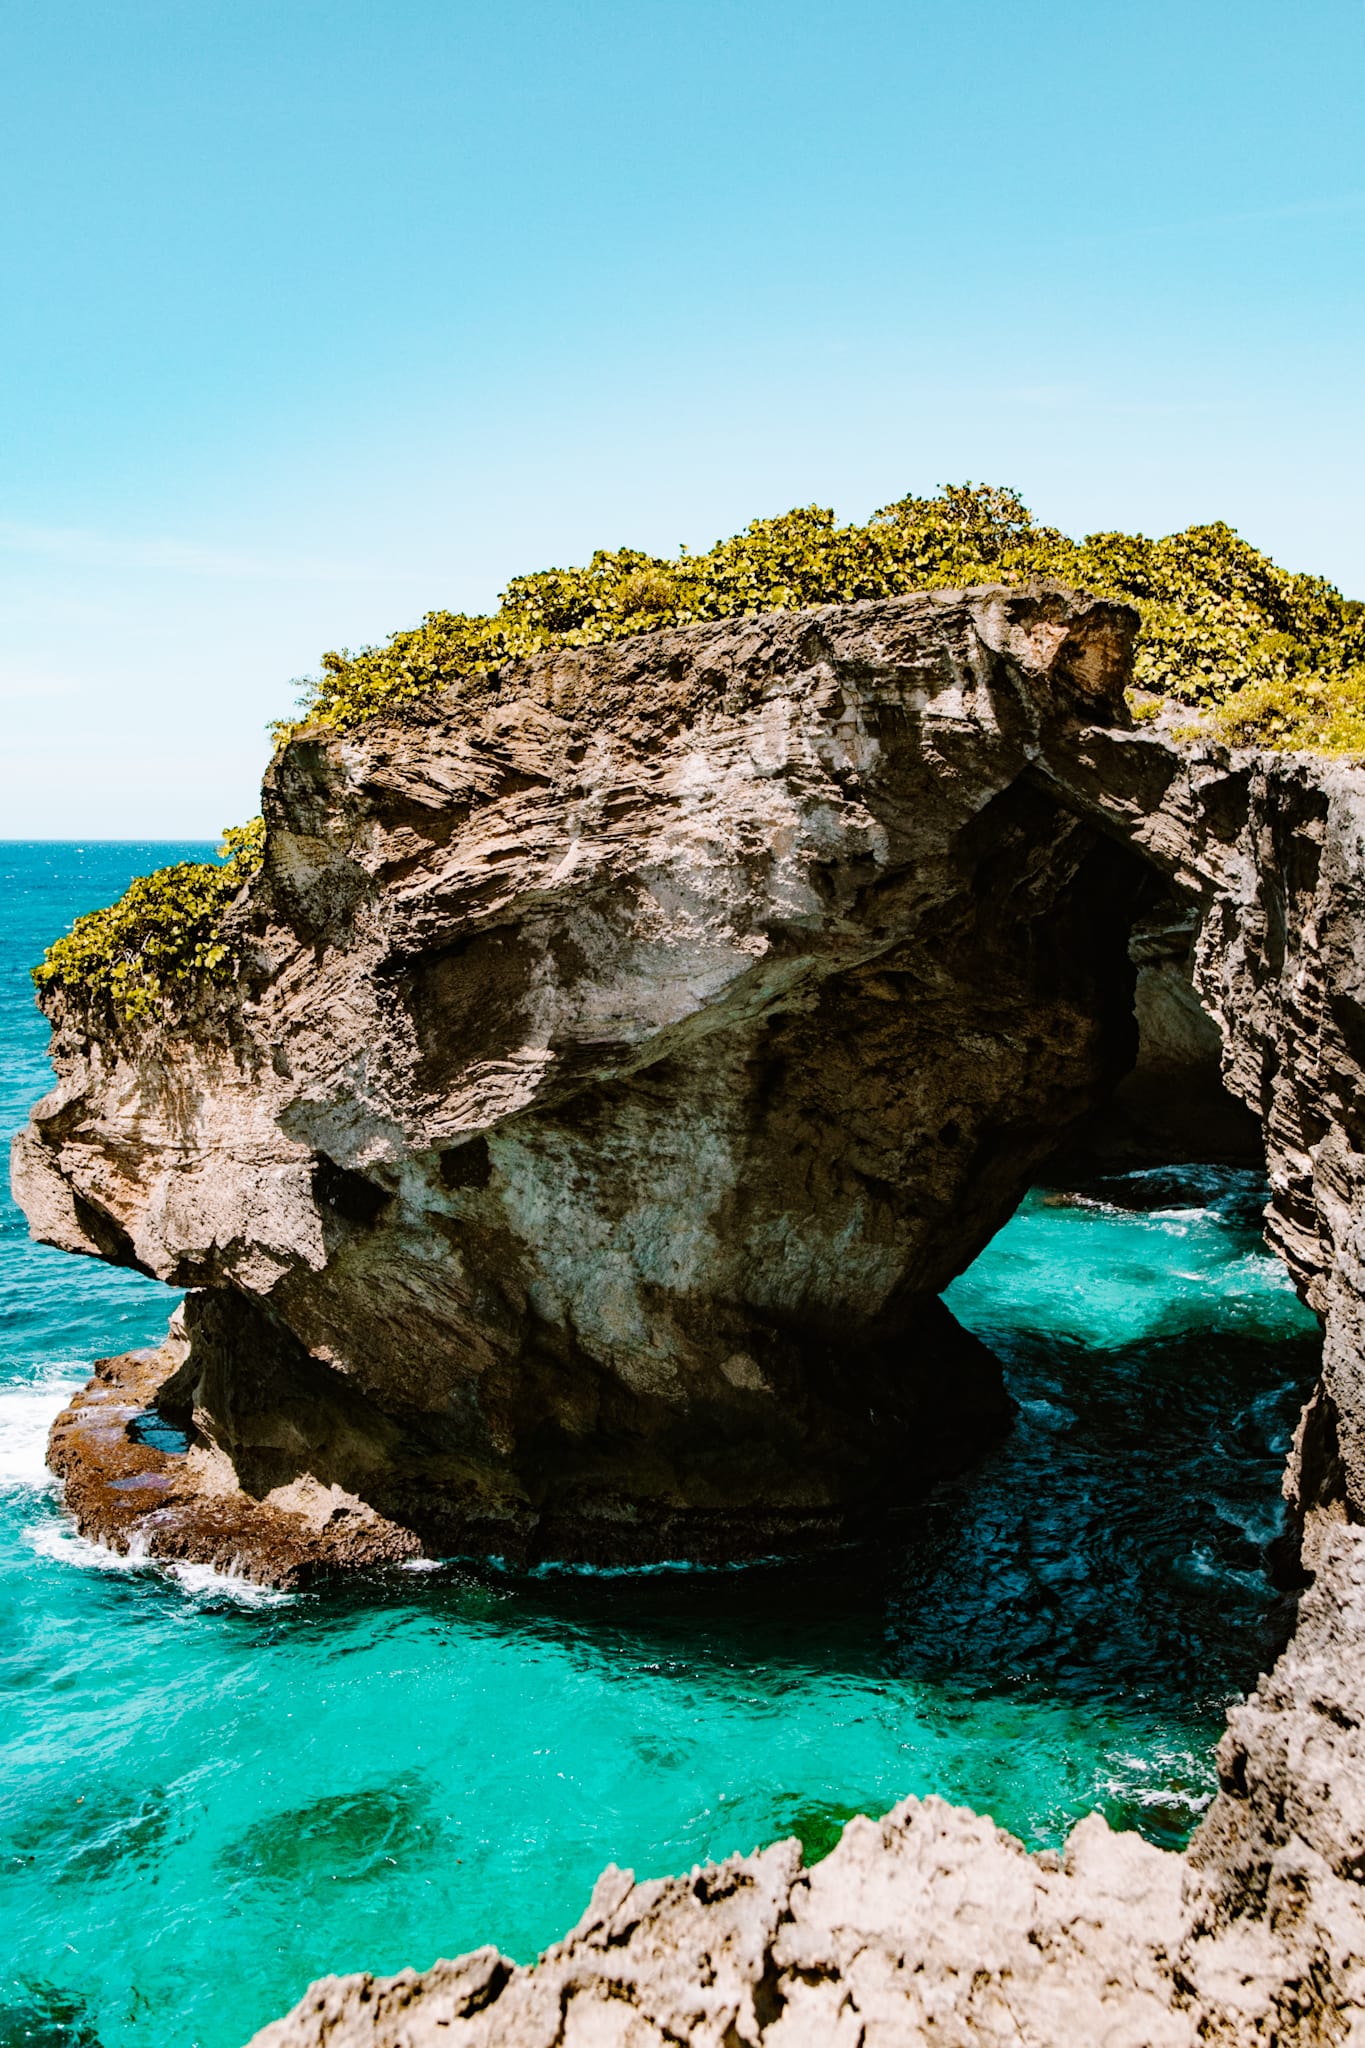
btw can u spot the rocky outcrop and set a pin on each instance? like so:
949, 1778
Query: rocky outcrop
135, 1482
624, 1064
631, 1047
933, 1927
628, 1049
929, 1925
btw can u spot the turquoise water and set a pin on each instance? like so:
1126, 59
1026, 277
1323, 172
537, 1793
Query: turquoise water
213, 1794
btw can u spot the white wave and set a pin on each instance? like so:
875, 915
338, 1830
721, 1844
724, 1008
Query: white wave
1125, 1784
201, 1583
1260, 1523
207, 1582
1194, 1803
565, 1568
27, 1413
1260, 1270
61, 1543
1202, 1564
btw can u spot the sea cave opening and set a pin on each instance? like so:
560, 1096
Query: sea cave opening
448, 1757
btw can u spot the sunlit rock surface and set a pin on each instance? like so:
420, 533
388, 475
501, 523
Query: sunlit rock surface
629, 1048
626, 1061
632, 1046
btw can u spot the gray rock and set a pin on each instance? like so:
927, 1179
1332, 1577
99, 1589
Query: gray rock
629, 1048
630, 1051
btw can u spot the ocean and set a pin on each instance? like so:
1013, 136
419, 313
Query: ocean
213, 1793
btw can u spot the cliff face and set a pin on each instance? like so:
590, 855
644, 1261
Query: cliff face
630, 1050
622, 1069
626, 1053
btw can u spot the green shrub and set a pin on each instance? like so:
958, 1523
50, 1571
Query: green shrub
1217, 614
134, 959
1320, 712
1279, 658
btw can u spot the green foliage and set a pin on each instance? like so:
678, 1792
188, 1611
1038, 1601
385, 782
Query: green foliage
1279, 658
1217, 615
132, 960
1320, 712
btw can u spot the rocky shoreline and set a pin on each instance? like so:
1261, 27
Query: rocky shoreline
933, 1926
133, 1481
623, 1060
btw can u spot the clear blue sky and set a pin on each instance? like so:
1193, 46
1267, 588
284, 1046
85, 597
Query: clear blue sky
321, 313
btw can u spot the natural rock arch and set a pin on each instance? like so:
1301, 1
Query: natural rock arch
832, 917
621, 1069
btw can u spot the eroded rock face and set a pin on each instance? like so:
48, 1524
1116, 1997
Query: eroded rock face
624, 1066
633, 1045
628, 1052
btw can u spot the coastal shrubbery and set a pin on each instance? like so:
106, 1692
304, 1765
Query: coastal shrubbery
1318, 710
1270, 657
134, 958
1218, 616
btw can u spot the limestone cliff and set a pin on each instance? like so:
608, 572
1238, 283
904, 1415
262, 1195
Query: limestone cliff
628, 1049
622, 1066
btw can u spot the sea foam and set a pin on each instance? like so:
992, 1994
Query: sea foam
203, 1584
27, 1413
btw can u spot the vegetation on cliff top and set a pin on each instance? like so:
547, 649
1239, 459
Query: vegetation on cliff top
1276, 658
1218, 616
165, 931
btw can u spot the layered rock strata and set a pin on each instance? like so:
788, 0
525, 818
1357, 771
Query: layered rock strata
625, 1060
628, 1049
630, 1046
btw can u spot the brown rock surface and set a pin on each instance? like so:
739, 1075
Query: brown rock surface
149, 1494
629, 1049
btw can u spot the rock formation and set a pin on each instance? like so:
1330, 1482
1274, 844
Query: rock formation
624, 1062
628, 1048
631, 1047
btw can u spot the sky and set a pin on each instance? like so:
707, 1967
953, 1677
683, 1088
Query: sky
320, 314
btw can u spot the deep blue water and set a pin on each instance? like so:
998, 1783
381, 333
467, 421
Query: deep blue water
211, 1795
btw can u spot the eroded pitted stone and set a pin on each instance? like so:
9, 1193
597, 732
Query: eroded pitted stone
628, 1053
624, 1066
633, 1046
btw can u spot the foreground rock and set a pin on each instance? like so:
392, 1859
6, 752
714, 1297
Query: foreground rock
933, 1927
